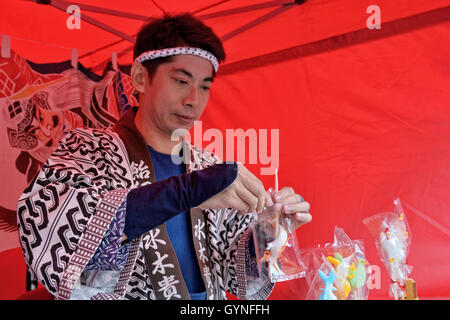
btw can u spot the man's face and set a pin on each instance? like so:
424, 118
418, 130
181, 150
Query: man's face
177, 94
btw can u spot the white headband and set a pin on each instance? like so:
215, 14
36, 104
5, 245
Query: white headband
153, 54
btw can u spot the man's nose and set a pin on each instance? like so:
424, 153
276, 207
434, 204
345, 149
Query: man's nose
192, 97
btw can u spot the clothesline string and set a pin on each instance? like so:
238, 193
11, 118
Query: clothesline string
59, 46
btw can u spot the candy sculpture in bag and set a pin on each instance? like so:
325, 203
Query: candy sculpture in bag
393, 239
342, 283
327, 291
275, 241
275, 248
343, 261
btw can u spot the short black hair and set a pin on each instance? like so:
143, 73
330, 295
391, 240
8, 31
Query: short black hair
170, 31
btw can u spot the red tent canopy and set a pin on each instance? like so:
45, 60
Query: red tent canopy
362, 114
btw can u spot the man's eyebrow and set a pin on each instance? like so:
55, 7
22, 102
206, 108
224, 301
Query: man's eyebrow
189, 74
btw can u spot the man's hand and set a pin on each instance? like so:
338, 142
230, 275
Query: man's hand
292, 205
246, 194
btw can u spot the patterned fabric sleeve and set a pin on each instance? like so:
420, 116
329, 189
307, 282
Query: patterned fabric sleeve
111, 254
64, 213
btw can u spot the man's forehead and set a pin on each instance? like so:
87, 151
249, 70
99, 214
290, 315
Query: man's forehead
191, 66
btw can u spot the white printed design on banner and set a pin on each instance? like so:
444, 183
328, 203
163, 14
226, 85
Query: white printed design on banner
140, 171
168, 287
150, 240
198, 230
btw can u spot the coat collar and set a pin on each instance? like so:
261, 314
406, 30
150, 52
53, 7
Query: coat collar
139, 157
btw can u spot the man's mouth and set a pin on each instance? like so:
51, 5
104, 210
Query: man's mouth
185, 119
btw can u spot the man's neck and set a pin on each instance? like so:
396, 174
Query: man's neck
156, 139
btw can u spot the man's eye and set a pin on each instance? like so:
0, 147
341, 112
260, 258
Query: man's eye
206, 88
180, 81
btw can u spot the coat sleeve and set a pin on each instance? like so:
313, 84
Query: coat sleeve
65, 212
230, 248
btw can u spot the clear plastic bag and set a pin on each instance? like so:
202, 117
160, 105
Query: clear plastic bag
337, 271
276, 247
322, 285
393, 240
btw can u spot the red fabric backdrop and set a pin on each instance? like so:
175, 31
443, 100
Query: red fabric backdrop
360, 123
359, 126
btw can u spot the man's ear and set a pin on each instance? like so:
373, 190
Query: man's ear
138, 76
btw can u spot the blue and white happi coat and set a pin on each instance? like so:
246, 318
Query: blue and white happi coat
66, 211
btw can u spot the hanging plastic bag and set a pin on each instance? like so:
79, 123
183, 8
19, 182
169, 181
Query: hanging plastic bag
337, 271
393, 240
276, 247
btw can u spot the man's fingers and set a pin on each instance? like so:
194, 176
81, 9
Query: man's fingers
269, 201
253, 185
292, 204
246, 194
292, 199
247, 197
282, 194
302, 207
303, 217
241, 207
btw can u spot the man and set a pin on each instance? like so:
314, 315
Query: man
112, 216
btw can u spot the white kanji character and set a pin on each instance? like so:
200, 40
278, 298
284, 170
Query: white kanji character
159, 265
207, 275
168, 287
150, 240
139, 171
201, 251
198, 230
